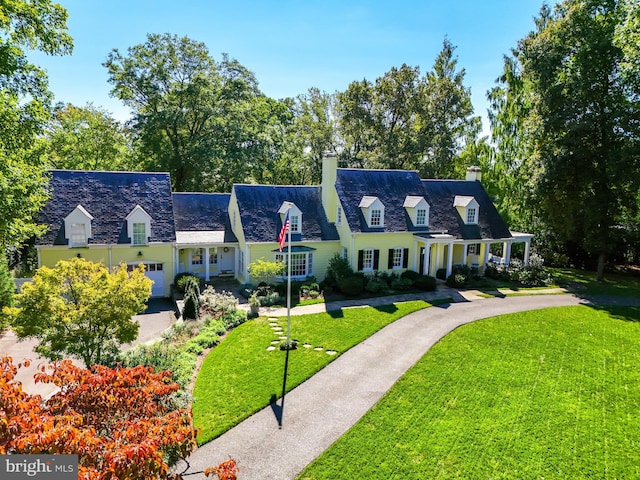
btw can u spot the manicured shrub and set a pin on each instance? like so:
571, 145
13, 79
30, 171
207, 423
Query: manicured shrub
376, 285
441, 273
410, 274
402, 284
191, 307
457, 280
216, 303
337, 269
182, 279
425, 283
352, 285
233, 319
388, 277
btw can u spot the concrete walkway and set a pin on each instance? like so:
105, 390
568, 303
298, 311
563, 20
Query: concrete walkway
320, 410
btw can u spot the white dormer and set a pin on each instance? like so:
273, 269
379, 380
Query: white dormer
468, 208
77, 227
139, 226
373, 210
418, 210
295, 216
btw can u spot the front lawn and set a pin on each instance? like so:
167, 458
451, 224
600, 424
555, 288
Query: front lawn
582, 282
551, 394
241, 376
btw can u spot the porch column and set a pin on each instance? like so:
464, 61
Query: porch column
485, 259
206, 264
450, 259
427, 259
437, 262
527, 251
507, 253
416, 257
465, 254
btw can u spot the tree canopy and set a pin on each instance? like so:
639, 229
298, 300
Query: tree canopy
80, 309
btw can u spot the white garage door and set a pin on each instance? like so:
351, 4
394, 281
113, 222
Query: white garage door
155, 272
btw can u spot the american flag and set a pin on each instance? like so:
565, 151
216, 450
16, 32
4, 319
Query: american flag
282, 238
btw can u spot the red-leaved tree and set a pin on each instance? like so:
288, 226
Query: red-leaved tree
121, 422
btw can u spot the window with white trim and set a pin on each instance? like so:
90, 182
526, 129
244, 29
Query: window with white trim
398, 254
376, 218
213, 256
367, 259
139, 234
471, 215
338, 215
421, 216
197, 256
294, 223
78, 235
345, 253
473, 249
301, 263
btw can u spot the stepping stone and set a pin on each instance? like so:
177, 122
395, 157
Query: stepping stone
283, 337
272, 319
318, 349
307, 345
331, 352
275, 342
270, 349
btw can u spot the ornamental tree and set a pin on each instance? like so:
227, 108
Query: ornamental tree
122, 423
81, 310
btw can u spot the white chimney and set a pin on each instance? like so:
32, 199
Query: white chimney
474, 174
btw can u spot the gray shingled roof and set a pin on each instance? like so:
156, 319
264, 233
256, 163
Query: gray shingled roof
259, 204
390, 186
109, 197
203, 212
444, 216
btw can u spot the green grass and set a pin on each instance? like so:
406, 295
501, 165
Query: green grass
583, 282
551, 394
240, 377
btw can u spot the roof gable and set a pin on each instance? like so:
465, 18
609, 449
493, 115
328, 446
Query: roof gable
203, 212
261, 222
110, 197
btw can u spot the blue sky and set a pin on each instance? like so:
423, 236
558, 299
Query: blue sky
294, 45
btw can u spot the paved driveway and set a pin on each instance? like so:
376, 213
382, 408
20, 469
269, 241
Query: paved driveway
157, 318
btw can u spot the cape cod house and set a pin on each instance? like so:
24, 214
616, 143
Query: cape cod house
377, 219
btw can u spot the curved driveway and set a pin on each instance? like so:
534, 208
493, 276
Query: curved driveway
319, 411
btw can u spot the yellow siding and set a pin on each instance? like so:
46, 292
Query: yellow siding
384, 242
235, 210
49, 256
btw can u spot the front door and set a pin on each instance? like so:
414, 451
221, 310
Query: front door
227, 259
421, 267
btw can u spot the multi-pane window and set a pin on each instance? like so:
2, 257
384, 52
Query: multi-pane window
376, 218
473, 249
78, 237
367, 259
339, 216
301, 263
421, 216
213, 256
471, 215
139, 234
241, 261
345, 253
294, 223
197, 256
397, 257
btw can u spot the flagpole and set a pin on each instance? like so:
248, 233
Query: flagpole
289, 290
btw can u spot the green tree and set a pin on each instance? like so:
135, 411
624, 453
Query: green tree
189, 111
80, 309
86, 138
264, 271
7, 289
573, 113
24, 106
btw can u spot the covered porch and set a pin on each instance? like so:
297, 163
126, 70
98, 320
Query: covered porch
205, 254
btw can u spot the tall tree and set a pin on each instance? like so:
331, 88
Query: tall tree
580, 126
24, 106
86, 138
80, 309
188, 110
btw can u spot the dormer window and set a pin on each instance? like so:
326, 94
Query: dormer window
295, 216
418, 210
468, 209
77, 227
373, 210
139, 226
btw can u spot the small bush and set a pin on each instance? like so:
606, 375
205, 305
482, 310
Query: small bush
376, 285
410, 274
191, 307
337, 270
272, 298
402, 284
387, 277
457, 280
181, 281
216, 303
441, 273
425, 283
233, 319
352, 285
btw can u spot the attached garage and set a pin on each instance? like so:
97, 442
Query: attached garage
154, 272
